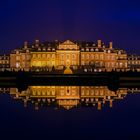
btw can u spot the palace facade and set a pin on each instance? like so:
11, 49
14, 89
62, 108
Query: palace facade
68, 96
68, 54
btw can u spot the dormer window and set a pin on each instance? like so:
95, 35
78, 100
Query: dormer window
17, 52
109, 51
82, 49
96, 49
44, 49
49, 49
53, 49
39, 49
87, 49
27, 51
92, 49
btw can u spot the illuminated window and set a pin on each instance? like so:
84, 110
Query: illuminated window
119, 52
53, 56
112, 64
108, 57
83, 56
43, 55
92, 49
92, 56
27, 51
73, 56
23, 57
96, 56
101, 56
53, 49
121, 64
87, 92
48, 55
62, 62
87, 56
83, 63
34, 55
68, 56
73, 62
125, 64
87, 49
96, 49
87, 62
17, 65
17, 58
39, 55
113, 57
17, 52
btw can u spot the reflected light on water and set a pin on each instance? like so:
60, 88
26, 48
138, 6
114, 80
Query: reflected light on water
68, 97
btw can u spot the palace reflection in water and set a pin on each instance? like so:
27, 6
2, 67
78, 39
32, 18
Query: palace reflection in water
68, 96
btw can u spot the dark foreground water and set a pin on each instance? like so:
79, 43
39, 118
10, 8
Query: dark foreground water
121, 121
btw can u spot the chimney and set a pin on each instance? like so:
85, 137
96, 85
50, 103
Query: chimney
25, 45
111, 45
99, 43
36, 43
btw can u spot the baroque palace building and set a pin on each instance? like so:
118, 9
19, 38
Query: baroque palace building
69, 96
68, 54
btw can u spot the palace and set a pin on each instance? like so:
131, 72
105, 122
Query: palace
69, 96
68, 54
90, 56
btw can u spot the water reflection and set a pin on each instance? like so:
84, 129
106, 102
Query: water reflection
68, 96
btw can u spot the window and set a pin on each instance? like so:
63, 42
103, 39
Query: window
17, 52
82, 49
39, 55
62, 56
108, 57
53, 56
23, 57
17, 65
73, 63
62, 62
121, 64
92, 56
83, 56
73, 56
83, 63
34, 55
68, 56
17, 58
96, 56
87, 56
43, 55
87, 49
101, 57
96, 49
48, 55
112, 57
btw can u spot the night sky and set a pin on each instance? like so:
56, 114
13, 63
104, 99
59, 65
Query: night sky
109, 20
